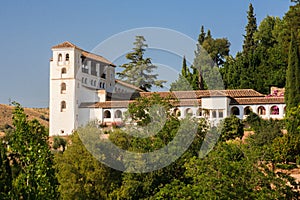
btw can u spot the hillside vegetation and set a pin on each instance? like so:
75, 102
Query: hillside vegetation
41, 114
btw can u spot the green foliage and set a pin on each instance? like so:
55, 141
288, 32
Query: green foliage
293, 120
231, 128
34, 175
59, 142
264, 59
5, 173
249, 43
229, 172
292, 92
81, 176
186, 80
138, 71
210, 55
286, 148
145, 110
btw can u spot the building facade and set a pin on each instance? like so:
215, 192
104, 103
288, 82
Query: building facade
83, 88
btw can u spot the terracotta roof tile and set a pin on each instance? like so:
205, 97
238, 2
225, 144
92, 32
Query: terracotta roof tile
107, 104
96, 57
206, 93
66, 44
84, 53
257, 100
124, 104
129, 85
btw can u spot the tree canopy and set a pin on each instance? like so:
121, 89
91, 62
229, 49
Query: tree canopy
139, 71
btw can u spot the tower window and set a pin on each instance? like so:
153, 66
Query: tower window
67, 57
63, 106
63, 70
63, 88
59, 57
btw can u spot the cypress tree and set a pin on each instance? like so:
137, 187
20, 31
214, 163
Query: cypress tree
292, 88
251, 28
184, 68
201, 37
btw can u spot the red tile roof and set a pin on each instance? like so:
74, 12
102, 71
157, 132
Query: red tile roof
124, 104
65, 44
87, 54
129, 85
257, 100
97, 57
206, 93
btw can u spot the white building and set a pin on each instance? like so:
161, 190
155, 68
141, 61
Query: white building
83, 88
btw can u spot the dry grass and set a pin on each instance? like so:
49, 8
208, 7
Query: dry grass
41, 114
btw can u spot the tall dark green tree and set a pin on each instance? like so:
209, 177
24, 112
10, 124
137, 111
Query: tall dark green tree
292, 88
185, 81
210, 55
139, 71
249, 43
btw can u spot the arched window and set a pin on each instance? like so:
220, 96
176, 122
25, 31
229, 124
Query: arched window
63, 106
103, 85
85, 80
176, 112
206, 113
63, 88
261, 110
100, 84
107, 114
118, 114
235, 111
64, 70
95, 82
188, 112
67, 57
59, 57
82, 80
274, 110
199, 112
247, 110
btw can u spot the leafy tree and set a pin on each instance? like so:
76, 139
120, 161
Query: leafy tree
29, 149
186, 79
145, 185
286, 148
59, 142
82, 176
231, 128
229, 172
292, 89
295, 1
5, 173
139, 70
210, 54
249, 43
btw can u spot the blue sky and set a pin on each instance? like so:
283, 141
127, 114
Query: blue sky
30, 28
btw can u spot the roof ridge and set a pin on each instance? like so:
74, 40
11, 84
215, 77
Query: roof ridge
65, 44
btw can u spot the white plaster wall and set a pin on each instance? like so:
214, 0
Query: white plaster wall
214, 103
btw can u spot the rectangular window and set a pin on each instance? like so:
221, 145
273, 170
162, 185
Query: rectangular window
221, 114
93, 68
85, 69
